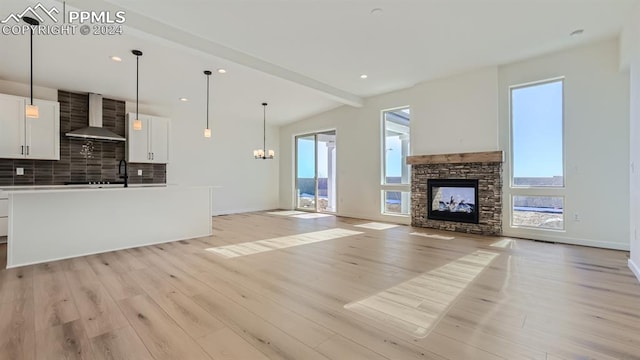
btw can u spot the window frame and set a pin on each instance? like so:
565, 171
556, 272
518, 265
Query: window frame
517, 226
528, 190
384, 146
512, 185
398, 187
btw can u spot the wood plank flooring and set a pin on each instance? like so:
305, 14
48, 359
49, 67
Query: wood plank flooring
259, 288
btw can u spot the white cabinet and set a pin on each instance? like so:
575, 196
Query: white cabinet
26, 138
138, 140
159, 140
151, 144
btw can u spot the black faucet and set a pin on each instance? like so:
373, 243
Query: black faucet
126, 174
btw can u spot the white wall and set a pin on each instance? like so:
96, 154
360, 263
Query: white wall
225, 160
630, 49
596, 142
457, 114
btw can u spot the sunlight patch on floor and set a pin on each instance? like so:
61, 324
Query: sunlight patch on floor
311, 216
416, 305
286, 212
504, 243
433, 236
377, 226
260, 246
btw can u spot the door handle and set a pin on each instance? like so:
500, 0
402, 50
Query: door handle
153, 156
22, 150
27, 149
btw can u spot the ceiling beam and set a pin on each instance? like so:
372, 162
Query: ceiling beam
162, 30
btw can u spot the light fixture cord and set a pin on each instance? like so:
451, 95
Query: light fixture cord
31, 65
264, 131
208, 101
137, 84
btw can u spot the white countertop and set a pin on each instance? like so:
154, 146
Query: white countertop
7, 190
61, 188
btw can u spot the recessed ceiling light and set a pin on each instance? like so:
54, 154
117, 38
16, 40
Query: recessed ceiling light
183, 99
376, 11
116, 58
576, 32
222, 71
364, 76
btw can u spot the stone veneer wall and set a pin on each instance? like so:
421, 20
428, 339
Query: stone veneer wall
489, 177
73, 166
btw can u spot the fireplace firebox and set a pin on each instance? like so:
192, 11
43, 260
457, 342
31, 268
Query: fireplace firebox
453, 200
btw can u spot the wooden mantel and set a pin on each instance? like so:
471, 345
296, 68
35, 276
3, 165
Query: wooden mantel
457, 158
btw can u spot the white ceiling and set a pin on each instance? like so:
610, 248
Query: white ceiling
301, 56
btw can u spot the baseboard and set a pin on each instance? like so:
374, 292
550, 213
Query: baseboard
394, 219
239, 211
557, 238
635, 269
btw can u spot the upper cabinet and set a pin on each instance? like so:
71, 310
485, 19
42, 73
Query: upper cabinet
151, 144
26, 138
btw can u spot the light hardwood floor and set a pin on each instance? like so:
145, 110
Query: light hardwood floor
370, 293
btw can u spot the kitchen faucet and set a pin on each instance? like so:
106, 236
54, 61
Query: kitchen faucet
126, 174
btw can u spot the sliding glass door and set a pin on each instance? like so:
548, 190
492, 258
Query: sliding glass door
316, 172
306, 172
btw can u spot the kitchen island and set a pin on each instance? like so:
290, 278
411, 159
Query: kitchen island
59, 223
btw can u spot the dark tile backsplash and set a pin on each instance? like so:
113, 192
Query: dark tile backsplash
75, 164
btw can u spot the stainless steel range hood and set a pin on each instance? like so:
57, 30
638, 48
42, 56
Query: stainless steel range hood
95, 130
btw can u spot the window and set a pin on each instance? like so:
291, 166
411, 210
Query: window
537, 147
537, 155
396, 146
544, 212
396, 202
396, 175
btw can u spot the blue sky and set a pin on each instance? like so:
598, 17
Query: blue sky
537, 130
394, 156
306, 158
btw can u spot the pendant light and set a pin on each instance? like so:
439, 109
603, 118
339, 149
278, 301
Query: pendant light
31, 110
137, 123
207, 130
262, 153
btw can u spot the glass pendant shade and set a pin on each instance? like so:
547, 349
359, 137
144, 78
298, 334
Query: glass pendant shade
207, 133
32, 111
137, 124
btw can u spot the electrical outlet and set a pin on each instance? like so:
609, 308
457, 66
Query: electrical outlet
139, 172
19, 171
576, 217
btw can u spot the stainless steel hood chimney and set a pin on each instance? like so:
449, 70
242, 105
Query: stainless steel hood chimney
95, 130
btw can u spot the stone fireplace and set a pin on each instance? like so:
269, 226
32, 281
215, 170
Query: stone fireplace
485, 168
